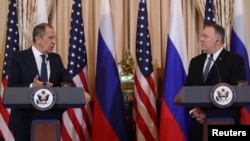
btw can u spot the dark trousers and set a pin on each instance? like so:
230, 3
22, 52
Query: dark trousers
196, 130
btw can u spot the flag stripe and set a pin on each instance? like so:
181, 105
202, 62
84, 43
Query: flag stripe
108, 87
77, 122
170, 127
144, 97
172, 89
4, 111
87, 116
144, 106
143, 125
109, 116
64, 133
238, 45
72, 115
11, 46
173, 118
102, 130
80, 80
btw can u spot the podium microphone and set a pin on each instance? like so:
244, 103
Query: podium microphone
217, 69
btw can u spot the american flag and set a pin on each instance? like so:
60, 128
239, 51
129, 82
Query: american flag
209, 12
144, 106
12, 41
76, 124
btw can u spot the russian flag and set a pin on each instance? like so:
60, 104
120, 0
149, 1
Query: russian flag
108, 114
239, 45
174, 119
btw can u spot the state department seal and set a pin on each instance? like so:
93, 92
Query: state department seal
43, 98
223, 95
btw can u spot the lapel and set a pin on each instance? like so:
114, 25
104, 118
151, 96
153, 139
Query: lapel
202, 63
31, 61
52, 63
215, 70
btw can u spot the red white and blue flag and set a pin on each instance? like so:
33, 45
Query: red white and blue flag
77, 122
108, 113
11, 46
239, 45
144, 104
174, 120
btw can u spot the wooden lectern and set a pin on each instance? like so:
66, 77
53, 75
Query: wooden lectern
44, 129
199, 96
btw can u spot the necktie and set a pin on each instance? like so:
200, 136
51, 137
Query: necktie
44, 74
210, 59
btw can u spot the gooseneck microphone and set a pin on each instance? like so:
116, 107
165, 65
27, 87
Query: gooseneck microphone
216, 67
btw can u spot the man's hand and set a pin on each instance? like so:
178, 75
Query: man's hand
199, 115
38, 83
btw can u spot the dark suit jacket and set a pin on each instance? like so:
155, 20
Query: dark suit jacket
230, 69
22, 71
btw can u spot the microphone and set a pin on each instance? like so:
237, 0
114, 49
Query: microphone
216, 67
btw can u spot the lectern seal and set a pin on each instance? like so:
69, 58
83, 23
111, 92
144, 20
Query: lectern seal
223, 95
43, 98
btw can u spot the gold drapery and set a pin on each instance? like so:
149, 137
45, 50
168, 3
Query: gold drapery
26, 10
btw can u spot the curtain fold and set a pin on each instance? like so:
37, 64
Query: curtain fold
26, 20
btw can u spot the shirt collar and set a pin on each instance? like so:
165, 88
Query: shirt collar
36, 52
216, 54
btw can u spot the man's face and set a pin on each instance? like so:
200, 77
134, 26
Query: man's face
47, 41
208, 40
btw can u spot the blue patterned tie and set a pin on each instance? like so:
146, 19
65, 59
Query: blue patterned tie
207, 68
44, 74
